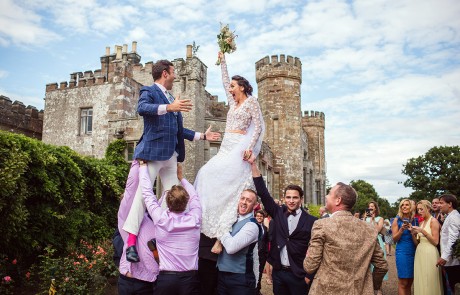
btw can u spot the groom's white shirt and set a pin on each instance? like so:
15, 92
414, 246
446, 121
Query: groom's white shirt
450, 232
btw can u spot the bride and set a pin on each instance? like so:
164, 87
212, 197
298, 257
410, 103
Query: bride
220, 182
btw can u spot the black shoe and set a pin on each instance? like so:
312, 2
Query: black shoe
131, 254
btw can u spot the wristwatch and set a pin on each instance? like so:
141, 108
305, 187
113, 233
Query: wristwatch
204, 136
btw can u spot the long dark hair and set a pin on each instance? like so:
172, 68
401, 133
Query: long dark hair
243, 82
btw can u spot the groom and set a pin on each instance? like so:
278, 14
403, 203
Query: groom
162, 142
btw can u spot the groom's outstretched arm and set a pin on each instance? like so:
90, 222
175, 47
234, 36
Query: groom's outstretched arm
269, 204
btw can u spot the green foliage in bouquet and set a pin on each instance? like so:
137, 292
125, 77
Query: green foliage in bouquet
226, 41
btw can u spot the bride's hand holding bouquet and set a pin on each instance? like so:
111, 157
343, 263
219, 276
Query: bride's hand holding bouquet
226, 42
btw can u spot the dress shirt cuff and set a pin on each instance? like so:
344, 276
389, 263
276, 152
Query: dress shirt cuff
197, 136
162, 109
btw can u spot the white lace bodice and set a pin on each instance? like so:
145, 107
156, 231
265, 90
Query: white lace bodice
239, 118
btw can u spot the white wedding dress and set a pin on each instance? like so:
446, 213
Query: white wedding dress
221, 180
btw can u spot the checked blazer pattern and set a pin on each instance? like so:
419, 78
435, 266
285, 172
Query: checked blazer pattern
163, 134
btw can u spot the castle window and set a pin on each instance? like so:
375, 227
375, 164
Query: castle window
86, 121
318, 191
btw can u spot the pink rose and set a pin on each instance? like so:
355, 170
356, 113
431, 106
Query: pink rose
7, 279
14, 261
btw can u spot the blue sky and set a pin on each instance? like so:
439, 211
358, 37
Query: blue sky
385, 73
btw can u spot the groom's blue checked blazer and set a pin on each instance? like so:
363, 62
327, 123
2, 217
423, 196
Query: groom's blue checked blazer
163, 134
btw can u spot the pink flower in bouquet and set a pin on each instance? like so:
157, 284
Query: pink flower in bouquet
7, 279
14, 261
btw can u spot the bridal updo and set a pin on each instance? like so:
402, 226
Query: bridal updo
244, 83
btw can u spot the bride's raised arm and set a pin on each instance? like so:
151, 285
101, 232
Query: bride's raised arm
225, 78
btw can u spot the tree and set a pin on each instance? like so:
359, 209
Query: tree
366, 193
434, 173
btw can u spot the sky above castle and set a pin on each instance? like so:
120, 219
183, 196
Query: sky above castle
385, 73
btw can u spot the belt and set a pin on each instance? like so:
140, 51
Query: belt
285, 268
236, 131
170, 272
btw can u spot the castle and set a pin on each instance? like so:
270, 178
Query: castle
95, 108
16, 117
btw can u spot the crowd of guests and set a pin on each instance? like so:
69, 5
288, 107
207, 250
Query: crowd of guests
424, 234
298, 252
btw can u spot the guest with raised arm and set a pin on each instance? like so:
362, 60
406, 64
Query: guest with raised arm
291, 234
177, 234
136, 278
222, 179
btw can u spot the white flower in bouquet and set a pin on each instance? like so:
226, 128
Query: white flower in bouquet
226, 41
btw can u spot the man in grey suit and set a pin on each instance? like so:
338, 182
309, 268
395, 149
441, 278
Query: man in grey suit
162, 142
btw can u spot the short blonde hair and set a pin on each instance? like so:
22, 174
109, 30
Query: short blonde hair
426, 207
400, 214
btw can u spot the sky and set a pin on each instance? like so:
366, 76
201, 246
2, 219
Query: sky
385, 73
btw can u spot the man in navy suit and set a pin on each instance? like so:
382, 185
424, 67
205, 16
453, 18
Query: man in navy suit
162, 142
291, 235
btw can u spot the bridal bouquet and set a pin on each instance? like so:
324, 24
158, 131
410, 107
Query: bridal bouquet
226, 41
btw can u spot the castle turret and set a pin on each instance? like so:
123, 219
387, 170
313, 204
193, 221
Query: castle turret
278, 79
190, 84
314, 124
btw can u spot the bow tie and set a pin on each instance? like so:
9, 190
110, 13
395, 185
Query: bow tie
290, 213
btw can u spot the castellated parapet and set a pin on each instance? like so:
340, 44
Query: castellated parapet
278, 79
279, 66
16, 117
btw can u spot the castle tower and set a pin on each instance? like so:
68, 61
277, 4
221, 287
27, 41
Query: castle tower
190, 83
278, 80
314, 124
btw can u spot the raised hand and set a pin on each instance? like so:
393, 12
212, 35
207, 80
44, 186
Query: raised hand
180, 174
212, 136
179, 105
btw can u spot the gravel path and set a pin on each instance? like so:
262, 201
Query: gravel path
390, 287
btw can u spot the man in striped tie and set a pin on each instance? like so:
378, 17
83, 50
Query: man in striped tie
162, 142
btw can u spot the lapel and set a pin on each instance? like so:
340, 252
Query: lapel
302, 220
160, 94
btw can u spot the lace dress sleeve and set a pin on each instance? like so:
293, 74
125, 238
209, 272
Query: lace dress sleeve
254, 110
226, 81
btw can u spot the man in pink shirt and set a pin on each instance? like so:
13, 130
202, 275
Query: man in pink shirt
177, 231
136, 278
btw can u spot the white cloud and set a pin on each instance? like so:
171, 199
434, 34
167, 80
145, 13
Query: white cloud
3, 74
22, 26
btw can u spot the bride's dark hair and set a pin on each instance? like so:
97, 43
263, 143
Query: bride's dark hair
243, 82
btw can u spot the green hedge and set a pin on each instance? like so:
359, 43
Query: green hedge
51, 195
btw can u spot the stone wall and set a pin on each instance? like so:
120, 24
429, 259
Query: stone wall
111, 100
16, 117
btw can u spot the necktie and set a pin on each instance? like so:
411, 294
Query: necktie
170, 99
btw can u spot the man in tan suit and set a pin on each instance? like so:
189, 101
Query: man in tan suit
342, 248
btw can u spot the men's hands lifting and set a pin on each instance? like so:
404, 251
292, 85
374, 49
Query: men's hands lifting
179, 105
212, 136
180, 174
